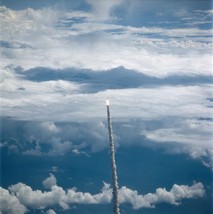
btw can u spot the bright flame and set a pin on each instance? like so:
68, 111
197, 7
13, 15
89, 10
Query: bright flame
107, 102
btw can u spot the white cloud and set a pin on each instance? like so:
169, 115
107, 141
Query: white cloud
174, 196
53, 42
187, 106
50, 211
74, 138
50, 181
59, 147
193, 137
38, 199
58, 41
45, 101
102, 9
86, 198
77, 152
10, 204
24, 196
50, 127
99, 46
187, 132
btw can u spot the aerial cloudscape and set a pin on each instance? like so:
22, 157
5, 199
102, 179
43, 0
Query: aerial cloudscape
59, 62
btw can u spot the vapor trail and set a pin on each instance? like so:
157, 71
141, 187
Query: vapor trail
114, 172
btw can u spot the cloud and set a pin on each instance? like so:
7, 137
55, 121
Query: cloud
77, 152
195, 130
56, 148
59, 148
174, 196
193, 137
50, 181
38, 199
41, 84
86, 198
50, 127
94, 81
102, 9
57, 196
53, 139
45, 106
175, 115
10, 203
24, 197
144, 49
50, 211
196, 17
32, 19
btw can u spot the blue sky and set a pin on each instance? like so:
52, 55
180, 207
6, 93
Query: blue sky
60, 60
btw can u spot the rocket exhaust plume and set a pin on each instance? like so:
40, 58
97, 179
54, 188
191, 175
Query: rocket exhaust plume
114, 172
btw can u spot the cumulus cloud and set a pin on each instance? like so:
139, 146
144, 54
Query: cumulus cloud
10, 203
50, 127
38, 140
23, 197
50, 181
57, 196
38, 199
59, 147
50, 211
174, 196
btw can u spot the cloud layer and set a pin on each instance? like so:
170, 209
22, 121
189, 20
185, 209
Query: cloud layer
175, 115
61, 42
19, 197
62, 69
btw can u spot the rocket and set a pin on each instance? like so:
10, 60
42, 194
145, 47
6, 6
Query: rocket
113, 163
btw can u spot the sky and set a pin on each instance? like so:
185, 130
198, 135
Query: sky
59, 62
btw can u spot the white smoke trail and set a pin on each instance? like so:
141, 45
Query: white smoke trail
114, 172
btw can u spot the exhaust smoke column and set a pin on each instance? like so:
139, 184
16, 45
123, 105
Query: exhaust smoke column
114, 172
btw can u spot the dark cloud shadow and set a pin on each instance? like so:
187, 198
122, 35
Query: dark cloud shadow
14, 45
117, 78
